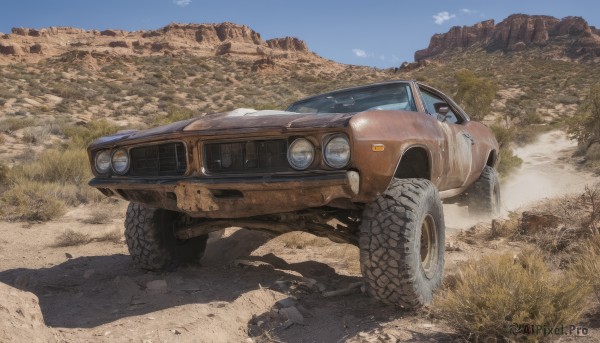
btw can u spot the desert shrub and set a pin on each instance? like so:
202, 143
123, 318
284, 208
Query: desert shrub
474, 93
496, 292
175, 113
99, 215
4, 171
13, 124
68, 166
585, 124
567, 99
35, 134
587, 264
30, 200
71, 238
82, 135
113, 236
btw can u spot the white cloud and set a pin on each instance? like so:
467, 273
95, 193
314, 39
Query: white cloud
182, 3
359, 53
468, 11
382, 57
443, 17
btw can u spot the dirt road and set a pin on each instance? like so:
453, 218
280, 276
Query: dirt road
93, 292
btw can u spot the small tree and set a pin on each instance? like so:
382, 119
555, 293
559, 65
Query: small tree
475, 94
585, 125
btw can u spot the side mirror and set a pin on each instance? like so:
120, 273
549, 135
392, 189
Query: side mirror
441, 108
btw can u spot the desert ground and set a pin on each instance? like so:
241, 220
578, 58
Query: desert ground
249, 287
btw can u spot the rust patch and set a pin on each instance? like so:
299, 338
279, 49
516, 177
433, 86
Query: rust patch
195, 199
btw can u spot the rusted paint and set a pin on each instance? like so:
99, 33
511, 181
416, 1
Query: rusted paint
454, 162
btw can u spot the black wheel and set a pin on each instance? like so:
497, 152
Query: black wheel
151, 242
484, 194
402, 243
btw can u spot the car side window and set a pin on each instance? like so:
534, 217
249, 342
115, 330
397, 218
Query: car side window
429, 101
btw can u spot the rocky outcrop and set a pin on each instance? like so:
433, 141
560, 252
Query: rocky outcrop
175, 39
572, 35
118, 44
287, 44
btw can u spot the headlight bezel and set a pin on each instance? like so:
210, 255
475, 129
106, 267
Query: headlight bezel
327, 159
112, 161
294, 143
108, 154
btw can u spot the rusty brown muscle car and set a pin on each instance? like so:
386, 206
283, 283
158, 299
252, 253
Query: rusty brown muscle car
367, 165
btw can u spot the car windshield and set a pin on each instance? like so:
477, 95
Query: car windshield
391, 96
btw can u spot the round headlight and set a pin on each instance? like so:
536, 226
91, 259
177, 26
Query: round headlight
102, 161
120, 161
337, 152
301, 154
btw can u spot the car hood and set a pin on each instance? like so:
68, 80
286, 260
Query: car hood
240, 120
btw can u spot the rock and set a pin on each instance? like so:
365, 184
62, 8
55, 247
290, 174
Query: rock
451, 246
67, 255
293, 315
35, 49
110, 33
159, 286
118, 44
10, 49
517, 32
532, 223
288, 44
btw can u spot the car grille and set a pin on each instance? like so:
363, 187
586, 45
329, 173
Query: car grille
247, 157
158, 160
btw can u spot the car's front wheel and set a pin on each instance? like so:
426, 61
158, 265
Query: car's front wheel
402, 243
149, 233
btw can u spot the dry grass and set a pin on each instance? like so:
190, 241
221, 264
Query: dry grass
100, 215
587, 264
71, 238
496, 292
31, 200
112, 236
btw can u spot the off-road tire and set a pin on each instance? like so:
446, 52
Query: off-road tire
151, 242
391, 244
484, 195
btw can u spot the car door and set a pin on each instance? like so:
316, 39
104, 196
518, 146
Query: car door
458, 147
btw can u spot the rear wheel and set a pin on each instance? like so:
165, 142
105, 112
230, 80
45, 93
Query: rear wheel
149, 233
484, 194
402, 243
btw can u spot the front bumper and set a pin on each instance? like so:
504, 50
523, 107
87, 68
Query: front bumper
234, 197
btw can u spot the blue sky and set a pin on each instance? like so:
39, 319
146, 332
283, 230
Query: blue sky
380, 33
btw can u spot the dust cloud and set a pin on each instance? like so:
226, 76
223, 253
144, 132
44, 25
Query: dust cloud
547, 171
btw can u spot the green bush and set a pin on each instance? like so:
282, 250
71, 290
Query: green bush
498, 291
585, 124
475, 94
83, 135
175, 113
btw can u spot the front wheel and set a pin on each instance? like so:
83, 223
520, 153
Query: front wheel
149, 233
402, 243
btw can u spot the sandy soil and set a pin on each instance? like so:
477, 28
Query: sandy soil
238, 293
